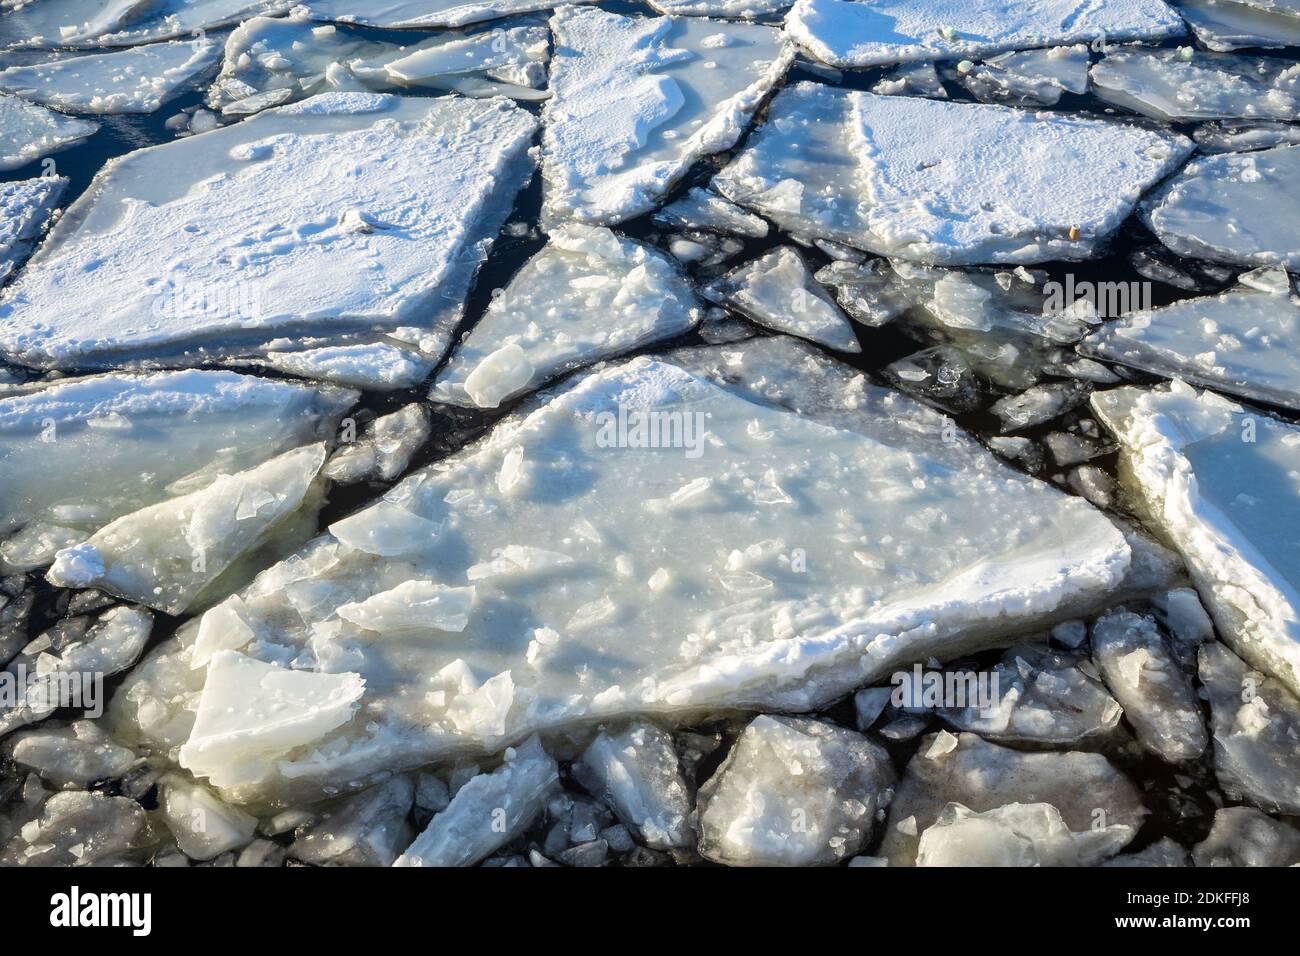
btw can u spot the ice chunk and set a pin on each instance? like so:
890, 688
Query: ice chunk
251, 713
1166, 85
138, 80
25, 209
72, 757
28, 131
386, 449
635, 101
854, 33
1243, 137
164, 555
412, 606
202, 824
433, 178
778, 291
1256, 725
377, 366
636, 771
912, 79
421, 14
77, 829
368, 829
1213, 478
793, 792
702, 209
1230, 24
96, 23
488, 812
1245, 342
1140, 669
1028, 78
1164, 852
849, 166
731, 9
1038, 404
589, 294
1242, 836
1086, 790
1016, 834
1226, 208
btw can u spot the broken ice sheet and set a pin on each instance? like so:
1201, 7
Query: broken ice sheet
269, 62
1215, 479
1243, 137
854, 33
777, 291
1231, 24
172, 245
848, 166
137, 80
793, 792
25, 209
421, 14
1244, 342
589, 294
1231, 207
1169, 85
784, 562
635, 101
73, 453
705, 210
28, 131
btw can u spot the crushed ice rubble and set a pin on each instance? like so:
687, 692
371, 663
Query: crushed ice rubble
452, 432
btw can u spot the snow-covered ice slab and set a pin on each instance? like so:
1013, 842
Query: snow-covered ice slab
1245, 342
777, 290
731, 9
588, 295
116, 23
223, 242
1237, 208
1166, 85
637, 100
423, 14
862, 33
744, 555
137, 80
28, 131
1215, 479
944, 182
73, 453
1233, 24
269, 62
25, 209
381, 366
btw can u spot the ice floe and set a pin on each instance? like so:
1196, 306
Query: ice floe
422, 14
588, 294
26, 208
1213, 478
1226, 208
173, 247
731, 9
1232, 24
853, 167
1243, 137
861, 33
28, 131
636, 100
53, 24
138, 80
379, 366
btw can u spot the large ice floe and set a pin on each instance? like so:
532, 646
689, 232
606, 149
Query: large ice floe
28, 131
137, 80
51, 24
26, 208
97, 436
1170, 85
272, 61
422, 14
1232, 24
862, 33
801, 532
344, 214
588, 294
1216, 479
944, 182
1225, 208
636, 100
1245, 341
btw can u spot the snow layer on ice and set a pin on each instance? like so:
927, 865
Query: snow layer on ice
636, 100
777, 290
861, 33
382, 209
1245, 342
588, 294
28, 131
422, 14
138, 80
1165, 85
72, 453
25, 209
1232, 208
944, 182
1231, 24
1015, 834
786, 556
793, 792
1214, 478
